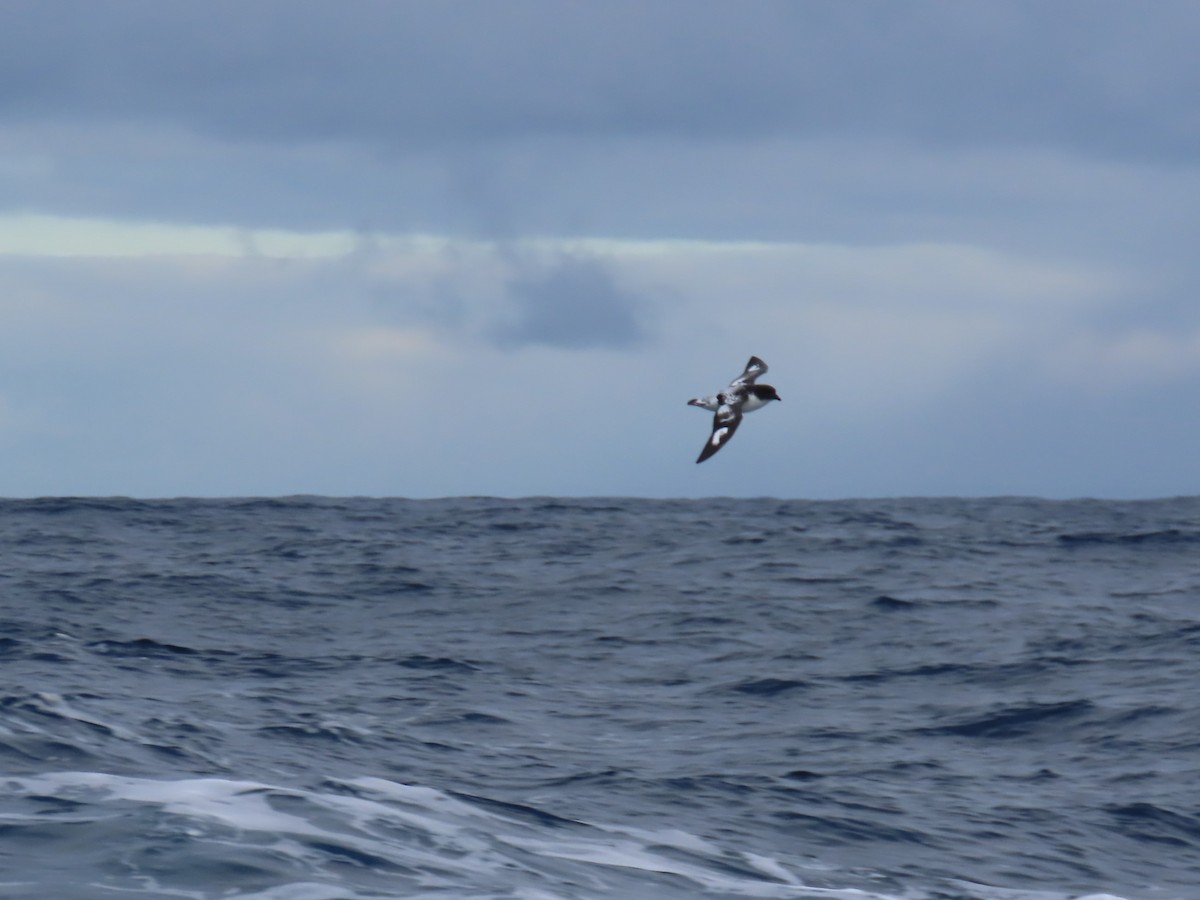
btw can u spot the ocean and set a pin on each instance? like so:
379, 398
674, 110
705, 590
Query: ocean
311, 698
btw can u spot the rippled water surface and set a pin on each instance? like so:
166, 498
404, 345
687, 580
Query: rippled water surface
317, 699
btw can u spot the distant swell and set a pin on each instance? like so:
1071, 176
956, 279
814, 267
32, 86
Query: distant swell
1154, 824
1170, 536
1020, 721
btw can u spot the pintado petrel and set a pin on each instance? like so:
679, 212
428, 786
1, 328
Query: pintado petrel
741, 397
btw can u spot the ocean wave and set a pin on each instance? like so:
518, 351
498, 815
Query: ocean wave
361, 838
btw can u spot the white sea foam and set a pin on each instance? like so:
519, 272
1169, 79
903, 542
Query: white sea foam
987, 892
433, 841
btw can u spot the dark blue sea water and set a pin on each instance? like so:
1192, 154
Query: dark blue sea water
318, 699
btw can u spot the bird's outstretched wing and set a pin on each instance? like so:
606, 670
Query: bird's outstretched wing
754, 368
725, 423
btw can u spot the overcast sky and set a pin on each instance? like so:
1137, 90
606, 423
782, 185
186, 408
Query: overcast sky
429, 249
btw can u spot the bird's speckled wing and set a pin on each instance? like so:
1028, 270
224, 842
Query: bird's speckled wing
754, 368
725, 423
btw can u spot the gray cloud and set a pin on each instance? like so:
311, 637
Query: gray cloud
503, 295
1099, 77
870, 121
573, 303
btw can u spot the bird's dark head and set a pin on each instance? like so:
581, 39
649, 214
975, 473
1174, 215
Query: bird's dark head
766, 392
